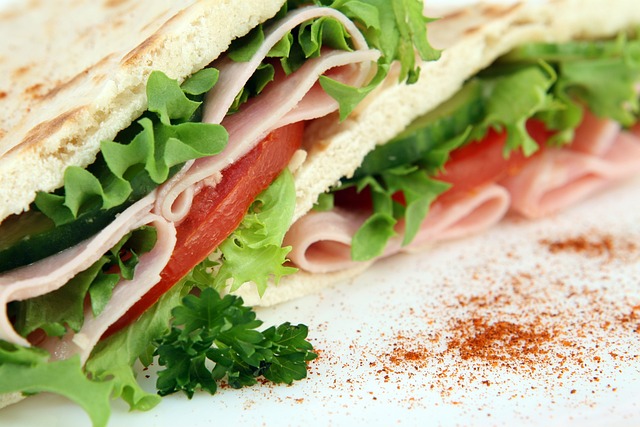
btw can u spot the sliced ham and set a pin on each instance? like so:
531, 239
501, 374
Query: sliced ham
464, 214
321, 241
560, 177
55, 271
289, 99
125, 294
234, 75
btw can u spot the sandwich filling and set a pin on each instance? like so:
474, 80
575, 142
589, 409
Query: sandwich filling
541, 129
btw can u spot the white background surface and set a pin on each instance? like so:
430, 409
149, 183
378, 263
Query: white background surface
587, 371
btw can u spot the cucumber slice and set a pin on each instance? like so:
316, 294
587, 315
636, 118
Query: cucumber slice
426, 133
31, 236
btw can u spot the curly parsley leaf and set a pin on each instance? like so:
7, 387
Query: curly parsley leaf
210, 328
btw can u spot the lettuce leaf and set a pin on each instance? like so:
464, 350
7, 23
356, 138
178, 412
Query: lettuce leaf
600, 75
163, 138
512, 99
114, 357
254, 252
397, 28
418, 191
28, 371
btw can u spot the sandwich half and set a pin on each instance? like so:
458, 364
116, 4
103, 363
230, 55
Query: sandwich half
137, 138
382, 85
533, 75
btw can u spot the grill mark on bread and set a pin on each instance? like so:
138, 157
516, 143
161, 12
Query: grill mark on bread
153, 42
142, 50
78, 77
114, 3
20, 71
496, 11
34, 91
42, 130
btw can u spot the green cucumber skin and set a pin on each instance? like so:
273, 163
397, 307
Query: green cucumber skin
37, 246
32, 248
427, 132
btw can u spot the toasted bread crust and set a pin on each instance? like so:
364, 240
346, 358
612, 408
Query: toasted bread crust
77, 73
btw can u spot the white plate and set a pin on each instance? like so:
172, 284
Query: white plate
397, 347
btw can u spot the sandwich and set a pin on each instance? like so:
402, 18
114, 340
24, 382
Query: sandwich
137, 144
137, 158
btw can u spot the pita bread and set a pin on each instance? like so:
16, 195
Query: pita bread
75, 74
61, 97
472, 39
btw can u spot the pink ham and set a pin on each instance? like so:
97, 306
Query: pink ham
292, 98
321, 241
560, 177
52, 273
125, 294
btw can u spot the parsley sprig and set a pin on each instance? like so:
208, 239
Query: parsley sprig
210, 328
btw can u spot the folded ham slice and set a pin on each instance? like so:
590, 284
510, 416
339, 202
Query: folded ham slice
560, 177
53, 272
321, 241
147, 274
289, 99
553, 180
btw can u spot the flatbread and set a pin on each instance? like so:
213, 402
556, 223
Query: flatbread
472, 38
74, 73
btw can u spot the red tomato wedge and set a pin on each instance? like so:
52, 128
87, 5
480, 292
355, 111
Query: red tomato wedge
483, 162
217, 211
472, 166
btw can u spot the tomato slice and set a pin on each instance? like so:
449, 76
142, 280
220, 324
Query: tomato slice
483, 162
470, 167
217, 211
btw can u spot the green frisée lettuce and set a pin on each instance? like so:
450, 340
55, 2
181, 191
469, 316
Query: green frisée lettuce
603, 75
397, 29
254, 252
552, 83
